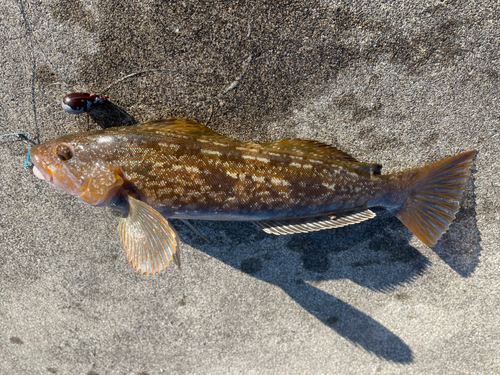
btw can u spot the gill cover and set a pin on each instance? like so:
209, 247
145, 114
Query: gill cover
102, 186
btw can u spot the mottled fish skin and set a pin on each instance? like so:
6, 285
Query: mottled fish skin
184, 170
193, 173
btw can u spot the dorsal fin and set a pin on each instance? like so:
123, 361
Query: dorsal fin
310, 148
313, 224
187, 128
306, 148
322, 151
369, 168
179, 125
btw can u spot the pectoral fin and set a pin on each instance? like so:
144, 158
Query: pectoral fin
149, 241
312, 224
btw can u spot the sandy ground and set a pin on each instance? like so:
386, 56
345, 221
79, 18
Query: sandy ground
400, 83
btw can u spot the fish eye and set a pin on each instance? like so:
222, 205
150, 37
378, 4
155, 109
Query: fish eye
64, 152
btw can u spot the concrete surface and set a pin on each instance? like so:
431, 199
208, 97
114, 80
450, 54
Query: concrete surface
401, 83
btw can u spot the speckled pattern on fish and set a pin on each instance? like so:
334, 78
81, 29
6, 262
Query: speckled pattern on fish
181, 169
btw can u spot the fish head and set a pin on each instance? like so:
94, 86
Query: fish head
81, 165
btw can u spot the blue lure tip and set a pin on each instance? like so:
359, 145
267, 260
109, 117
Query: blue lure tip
28, 141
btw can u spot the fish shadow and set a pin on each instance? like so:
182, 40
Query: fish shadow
374, 254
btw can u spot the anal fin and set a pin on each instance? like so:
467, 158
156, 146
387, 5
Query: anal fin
313, 224
149, 240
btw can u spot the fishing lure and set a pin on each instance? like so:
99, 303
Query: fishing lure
25, 136
77, 102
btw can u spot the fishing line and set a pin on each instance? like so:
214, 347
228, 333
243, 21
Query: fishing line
22, 135
25, 136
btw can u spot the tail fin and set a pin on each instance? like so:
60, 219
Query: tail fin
434, 198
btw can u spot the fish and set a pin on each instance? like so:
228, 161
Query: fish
178, 168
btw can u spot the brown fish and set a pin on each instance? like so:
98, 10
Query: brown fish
178, 168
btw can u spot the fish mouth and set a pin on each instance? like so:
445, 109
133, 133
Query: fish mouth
42, 170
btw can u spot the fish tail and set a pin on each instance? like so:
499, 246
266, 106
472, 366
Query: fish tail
433, 195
